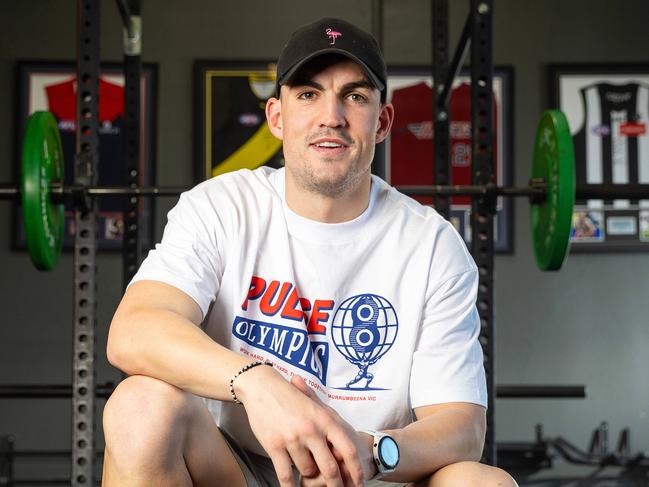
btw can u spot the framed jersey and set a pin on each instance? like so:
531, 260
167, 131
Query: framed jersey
52, 86
409, 154
607, 107
230, 121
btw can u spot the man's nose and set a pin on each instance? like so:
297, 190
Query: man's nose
333, 112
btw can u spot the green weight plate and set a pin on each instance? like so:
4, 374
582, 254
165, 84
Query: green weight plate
42, 162
554, 161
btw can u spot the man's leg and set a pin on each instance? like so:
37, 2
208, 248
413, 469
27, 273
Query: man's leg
468, 474
157, 434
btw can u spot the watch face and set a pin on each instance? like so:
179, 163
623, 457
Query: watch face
388, 452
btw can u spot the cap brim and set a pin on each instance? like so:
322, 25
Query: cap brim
288, 76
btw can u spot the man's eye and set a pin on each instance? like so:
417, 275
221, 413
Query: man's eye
357, 98
307, 95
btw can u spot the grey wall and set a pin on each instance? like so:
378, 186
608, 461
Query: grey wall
584, 325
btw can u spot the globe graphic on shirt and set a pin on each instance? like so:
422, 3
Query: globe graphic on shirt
364, 328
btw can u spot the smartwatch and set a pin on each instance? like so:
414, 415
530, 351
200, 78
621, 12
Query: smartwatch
386, 453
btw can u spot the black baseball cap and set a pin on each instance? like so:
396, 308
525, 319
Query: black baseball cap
332, 36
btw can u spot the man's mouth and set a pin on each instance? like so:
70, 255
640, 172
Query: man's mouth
329, 146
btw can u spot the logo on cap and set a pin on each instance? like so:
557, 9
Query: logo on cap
333, 35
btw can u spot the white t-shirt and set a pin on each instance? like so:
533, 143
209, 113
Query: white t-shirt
377, 314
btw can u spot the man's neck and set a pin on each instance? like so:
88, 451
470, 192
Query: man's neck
325, 209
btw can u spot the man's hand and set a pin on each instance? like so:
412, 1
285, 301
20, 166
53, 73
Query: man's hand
362, 439
363, 443
294, 427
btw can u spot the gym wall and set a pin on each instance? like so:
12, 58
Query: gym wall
586, 324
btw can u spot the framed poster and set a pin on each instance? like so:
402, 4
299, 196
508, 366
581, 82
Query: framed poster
231, 130
607, 106
409, 148
52, 86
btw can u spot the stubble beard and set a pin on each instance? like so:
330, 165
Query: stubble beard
329, 185
321, 178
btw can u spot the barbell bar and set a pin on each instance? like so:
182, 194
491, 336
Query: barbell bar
551, 190
59, 191
535, 190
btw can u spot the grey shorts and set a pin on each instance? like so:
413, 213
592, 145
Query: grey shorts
259, 471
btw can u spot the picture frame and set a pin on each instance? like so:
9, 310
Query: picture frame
408, 154
607, 107
237, 138
230, 120
51, 86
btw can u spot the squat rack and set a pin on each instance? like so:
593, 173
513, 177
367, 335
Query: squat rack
478, 30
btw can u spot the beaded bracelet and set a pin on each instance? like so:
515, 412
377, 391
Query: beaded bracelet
245, 368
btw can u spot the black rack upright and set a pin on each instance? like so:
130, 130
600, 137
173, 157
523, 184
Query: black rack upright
477, 31
85, 244
130, 11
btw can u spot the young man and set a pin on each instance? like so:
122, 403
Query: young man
361, 300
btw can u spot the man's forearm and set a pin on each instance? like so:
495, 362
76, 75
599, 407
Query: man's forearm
447, 436
163, 344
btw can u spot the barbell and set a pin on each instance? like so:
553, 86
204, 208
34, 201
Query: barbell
551, 190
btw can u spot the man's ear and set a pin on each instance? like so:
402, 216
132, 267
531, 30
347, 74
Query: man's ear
386, 117
274, 117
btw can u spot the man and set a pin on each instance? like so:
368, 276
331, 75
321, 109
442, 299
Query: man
361, 300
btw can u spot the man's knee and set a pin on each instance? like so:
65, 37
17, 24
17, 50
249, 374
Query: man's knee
470, 474
144, 413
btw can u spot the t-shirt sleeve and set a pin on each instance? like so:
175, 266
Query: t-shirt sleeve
188, 257
447, 363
